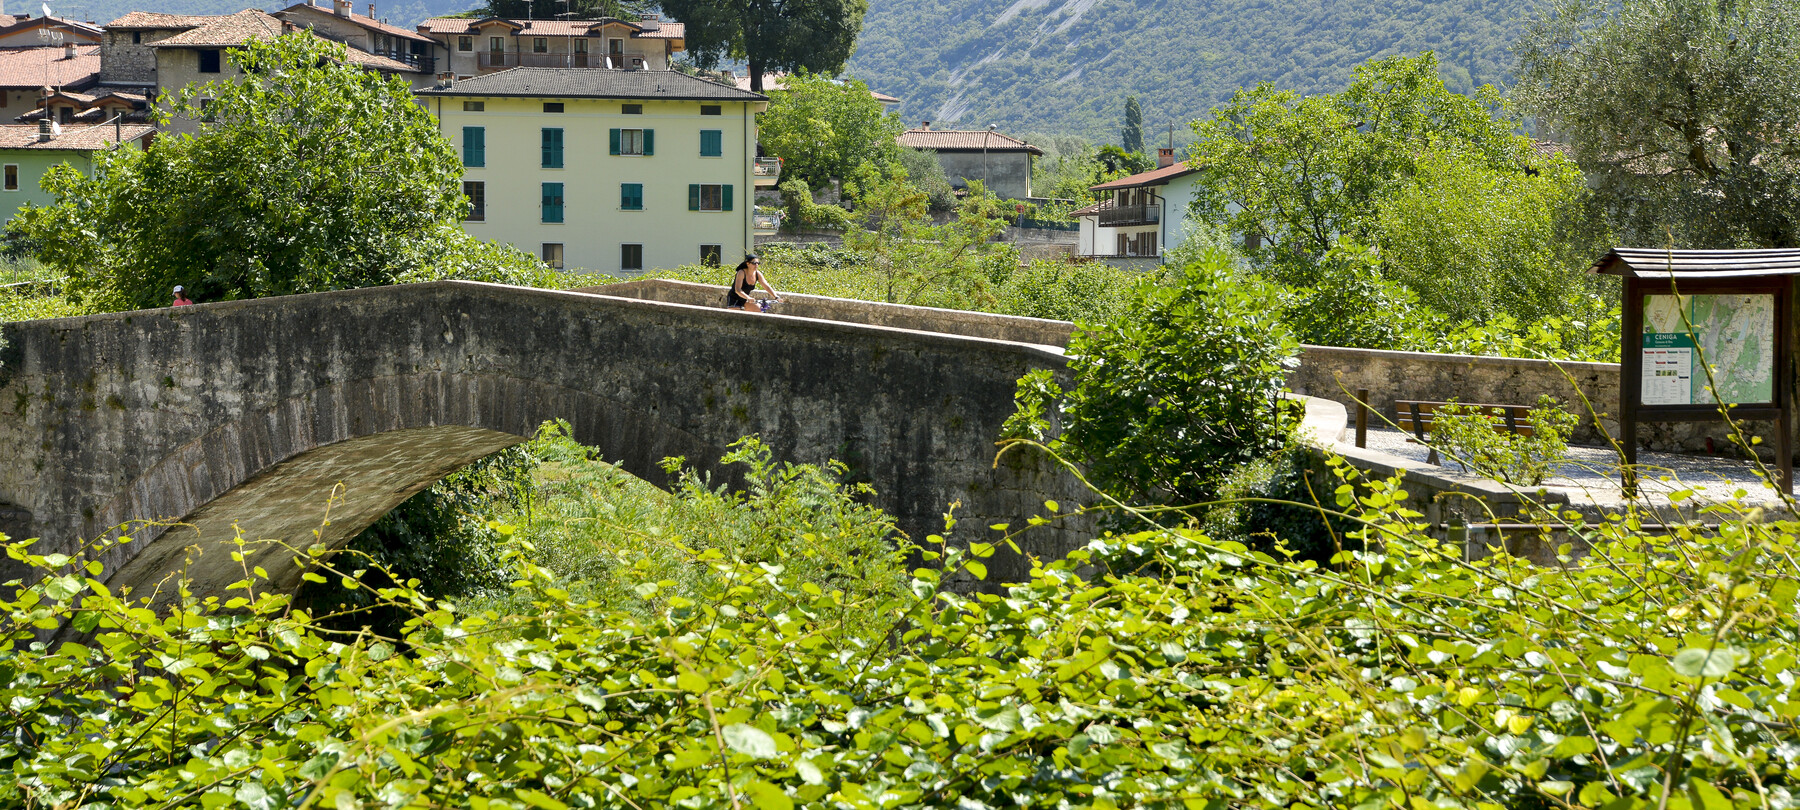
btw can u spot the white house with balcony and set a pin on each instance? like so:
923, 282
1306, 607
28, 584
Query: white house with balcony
470, 47
1142, 217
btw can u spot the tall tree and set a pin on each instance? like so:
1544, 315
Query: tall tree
1682, 113
770, 35
315, 174
823, 129
1132, 138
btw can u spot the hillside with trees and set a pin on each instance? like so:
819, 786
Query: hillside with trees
1036, 65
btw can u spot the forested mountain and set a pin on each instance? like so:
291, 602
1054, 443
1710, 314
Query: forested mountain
1067, 65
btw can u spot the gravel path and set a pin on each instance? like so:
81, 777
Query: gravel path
1594, 471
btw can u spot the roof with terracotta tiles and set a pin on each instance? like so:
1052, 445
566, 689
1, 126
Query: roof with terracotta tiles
1154, 177
37, 67
640, 29
370, 60
369, 23
142, 20
956, 140
84, 139
28, 22
231, 29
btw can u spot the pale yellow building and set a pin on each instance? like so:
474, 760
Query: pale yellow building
618, 171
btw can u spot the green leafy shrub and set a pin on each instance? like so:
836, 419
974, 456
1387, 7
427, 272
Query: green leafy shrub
1176, 393
1660, 676
797, 196
1468, 435
1090, 292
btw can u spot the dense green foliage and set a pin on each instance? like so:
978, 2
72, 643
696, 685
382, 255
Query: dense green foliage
824, 129
1399, 212
1175, 394
1131, 136
1661, 676
770, 35
319, 175
1059, 67
917, 260
1681, 112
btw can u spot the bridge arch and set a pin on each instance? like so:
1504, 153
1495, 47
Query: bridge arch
248, 412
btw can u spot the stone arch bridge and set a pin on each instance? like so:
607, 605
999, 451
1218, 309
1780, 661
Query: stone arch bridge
247, 413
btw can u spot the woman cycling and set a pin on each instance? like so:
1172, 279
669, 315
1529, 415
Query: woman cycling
744, 282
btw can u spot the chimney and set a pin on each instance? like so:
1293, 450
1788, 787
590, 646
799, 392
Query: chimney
68, 50
925, 126
1165, 157
371, 11
446, 80
44, 130
341, 8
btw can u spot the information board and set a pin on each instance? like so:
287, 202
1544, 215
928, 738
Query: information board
1734, 333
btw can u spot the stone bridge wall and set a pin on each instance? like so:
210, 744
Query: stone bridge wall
249, 412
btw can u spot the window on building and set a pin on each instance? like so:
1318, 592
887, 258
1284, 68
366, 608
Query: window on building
553, 202
12, 177
709, 109
540, 45
632, 142
631, 257
712, 143
474, 106
553, 254
476, 191
709, 197
553, 152
137, 37
709, 255
475, 146
631, 109
209, 61
581, 45
65, 115
553, 106
631, 196
465, 44
496, 51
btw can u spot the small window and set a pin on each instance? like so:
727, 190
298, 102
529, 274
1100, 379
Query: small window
12, 177
631, 196
540, 45
474, 106
474, 146
497, 44
631, 142
553, 254
709, 109
209, 61
581, 45
137, 37
709, 197
476, 191
553, 148
465, 44
553, 106
553, 202
709, 255
631, 109
631, 257
712, 143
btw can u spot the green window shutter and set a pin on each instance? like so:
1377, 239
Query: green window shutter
693, 196
474, 146
631, 196
649, 142
553, 148
612, 137
725, 198
553, 202
712, 143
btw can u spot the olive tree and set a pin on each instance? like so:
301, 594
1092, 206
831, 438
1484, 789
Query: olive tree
1682, 113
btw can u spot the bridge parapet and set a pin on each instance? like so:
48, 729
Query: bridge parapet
249, 412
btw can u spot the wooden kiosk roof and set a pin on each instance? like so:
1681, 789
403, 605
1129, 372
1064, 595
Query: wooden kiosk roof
1665, 264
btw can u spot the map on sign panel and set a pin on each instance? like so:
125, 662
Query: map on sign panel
1734, 333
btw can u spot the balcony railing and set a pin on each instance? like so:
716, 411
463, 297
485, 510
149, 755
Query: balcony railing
767, 169
502, 59
765, 223
1131, 215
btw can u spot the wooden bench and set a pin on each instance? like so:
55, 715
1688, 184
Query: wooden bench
1416, 416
